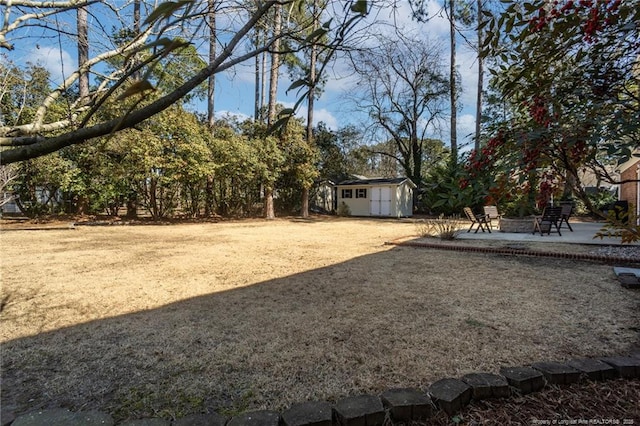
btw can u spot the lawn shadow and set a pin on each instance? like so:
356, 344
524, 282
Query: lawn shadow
401, 317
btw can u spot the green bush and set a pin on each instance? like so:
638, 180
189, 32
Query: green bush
521, 205
443, 193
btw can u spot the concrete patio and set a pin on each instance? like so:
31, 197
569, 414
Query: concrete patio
583, 233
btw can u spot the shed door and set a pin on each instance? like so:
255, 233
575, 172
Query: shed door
381, 201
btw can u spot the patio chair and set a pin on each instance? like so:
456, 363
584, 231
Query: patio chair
550, 218
492, 213
565, 214
478, 220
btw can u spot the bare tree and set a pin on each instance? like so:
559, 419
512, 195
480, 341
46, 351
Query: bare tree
403, 88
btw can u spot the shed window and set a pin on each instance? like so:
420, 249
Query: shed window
361, 193
347, 193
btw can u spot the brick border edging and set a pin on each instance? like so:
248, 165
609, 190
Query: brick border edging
514, 252
394, 405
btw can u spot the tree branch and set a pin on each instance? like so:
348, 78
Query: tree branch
58, 7
52, 144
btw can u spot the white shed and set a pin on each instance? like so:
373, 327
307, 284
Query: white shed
378, 197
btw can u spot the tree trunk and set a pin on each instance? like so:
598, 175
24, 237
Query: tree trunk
305, 202
269, 212
263, 89
153, 199
132, 205
313, 59
275, 66
132, 197
211, 15
453, 91
258, 98
211, 90
83, 52
273, 93
136, 30
480, 81
209, 197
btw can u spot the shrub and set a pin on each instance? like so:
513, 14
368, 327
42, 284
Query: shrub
445, 228
343, 209
443, 193
621, 223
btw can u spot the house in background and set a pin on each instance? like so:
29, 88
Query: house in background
385, 197
629, 190
8, 203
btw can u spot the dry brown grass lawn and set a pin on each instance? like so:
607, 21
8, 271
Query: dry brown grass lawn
170, 320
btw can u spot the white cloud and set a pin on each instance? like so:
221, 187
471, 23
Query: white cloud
243, 73
466, 125
340, 78
387, 20
240, 117
58, 62
325, 116
438, 24
467, 65
319, 114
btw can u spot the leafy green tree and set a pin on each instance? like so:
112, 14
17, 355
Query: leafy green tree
192, 160
443, 192
104, 177
299, 169
43, 185
334, 149
172, 161
570, 77
164, 162
22, 92
235, 184
272, 158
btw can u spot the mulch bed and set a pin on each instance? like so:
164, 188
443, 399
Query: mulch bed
615, 402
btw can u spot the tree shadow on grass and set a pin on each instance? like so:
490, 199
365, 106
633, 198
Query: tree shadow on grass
402, 317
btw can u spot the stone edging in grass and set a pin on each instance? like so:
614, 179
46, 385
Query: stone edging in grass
514, 252
392, 406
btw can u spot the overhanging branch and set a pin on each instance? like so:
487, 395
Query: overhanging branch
46, 145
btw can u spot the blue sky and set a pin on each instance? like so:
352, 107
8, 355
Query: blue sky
235, 87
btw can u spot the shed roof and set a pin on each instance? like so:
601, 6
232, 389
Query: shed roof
377, 181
